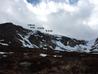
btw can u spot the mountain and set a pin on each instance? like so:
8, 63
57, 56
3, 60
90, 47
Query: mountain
12, 35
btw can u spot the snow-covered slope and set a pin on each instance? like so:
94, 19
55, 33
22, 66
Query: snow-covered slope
16, 36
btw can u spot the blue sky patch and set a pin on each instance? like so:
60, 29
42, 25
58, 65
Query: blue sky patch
34, 2
73, 1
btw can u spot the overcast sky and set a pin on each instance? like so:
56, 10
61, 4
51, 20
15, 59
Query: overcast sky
73, 18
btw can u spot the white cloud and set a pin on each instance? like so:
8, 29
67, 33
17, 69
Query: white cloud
78, 20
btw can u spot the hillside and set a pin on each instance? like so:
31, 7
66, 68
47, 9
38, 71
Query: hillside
16, 36
24, 51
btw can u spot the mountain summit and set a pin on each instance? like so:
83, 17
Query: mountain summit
16, 36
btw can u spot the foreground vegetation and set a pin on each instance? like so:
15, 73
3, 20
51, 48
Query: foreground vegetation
39, 61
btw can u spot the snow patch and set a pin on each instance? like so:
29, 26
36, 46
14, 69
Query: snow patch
5, 44
2, 52
1, 40
43, 55
90, 43
26, 38
57, 55
79, 48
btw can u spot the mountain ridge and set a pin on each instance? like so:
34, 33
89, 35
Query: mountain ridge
16, 36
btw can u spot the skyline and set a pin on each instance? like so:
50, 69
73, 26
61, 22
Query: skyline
77, 19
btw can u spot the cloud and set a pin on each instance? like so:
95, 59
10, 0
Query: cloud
72, 23
77, 19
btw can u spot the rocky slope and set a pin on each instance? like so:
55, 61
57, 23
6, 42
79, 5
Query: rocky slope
37, 62
16, 36
24, 51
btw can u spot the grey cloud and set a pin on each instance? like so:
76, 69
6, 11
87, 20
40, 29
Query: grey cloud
72, 25
62, 22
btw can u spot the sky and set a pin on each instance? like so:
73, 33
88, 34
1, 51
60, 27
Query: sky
72, 18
